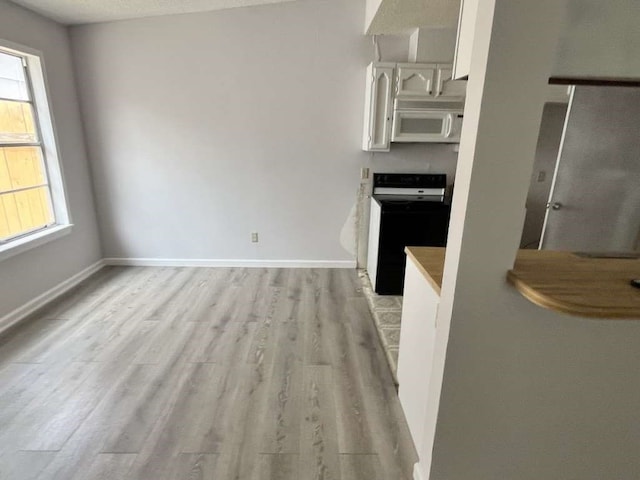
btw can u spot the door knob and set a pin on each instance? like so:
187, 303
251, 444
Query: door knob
555, 206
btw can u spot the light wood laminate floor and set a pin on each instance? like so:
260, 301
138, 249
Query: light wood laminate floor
202, 373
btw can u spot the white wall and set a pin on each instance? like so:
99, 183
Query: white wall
372, 7
30, 274
599, 39
532, 394
203, 128
527, 394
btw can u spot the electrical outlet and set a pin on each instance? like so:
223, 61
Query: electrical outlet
364, 173
254, 237
542, 176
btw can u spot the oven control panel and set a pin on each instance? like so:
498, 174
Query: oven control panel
414, 181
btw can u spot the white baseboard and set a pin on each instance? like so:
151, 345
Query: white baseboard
184, 262
417, 472
40, 301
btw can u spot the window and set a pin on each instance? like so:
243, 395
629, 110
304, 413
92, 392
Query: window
32, 201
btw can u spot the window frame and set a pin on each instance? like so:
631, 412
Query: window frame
47, 139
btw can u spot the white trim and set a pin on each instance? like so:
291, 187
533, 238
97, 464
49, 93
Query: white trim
417, 472
40, 301
552, 189
187, 262
32, 240
45, 124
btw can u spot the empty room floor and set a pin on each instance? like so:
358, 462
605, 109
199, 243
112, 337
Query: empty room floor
202, 373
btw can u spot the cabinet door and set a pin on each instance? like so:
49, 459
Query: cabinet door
464, 44
446, 87
415, 81
417, 343
444, 75
377, 116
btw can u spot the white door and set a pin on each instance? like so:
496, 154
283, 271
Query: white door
595, 200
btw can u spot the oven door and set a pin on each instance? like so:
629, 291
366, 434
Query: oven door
425, 126
406, 224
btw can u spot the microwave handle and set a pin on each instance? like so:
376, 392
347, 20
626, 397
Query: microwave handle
449, 126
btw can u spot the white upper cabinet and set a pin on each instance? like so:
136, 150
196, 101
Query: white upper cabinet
446, 86
428, 81
378, 107
464, 43
409, 82
413, 80
444, 75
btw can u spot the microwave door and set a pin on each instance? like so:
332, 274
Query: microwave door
411, 126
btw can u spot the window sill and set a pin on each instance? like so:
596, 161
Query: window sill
22, 245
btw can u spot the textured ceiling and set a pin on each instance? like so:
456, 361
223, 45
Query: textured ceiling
399, 16
92, 11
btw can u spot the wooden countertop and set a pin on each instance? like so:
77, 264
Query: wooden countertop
589, 287
560, 281
430, 261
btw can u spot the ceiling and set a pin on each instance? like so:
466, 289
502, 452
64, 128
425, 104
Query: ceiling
73, 12
400, 16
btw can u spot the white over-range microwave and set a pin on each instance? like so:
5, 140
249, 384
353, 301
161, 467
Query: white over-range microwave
426, 121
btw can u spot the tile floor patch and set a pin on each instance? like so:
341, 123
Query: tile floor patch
386, 303
391, 318
391, 336
387, 313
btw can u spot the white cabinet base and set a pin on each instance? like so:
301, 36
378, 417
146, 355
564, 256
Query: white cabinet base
417, 339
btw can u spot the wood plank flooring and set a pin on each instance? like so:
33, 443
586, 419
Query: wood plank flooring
202, 373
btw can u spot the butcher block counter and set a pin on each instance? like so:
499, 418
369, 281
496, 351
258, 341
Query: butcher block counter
560, 281
430, 262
